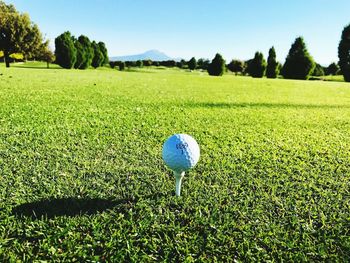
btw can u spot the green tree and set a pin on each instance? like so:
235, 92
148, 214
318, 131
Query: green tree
333, 69
147, 62
217, 66
246, 63
318, 71
168, 63
130, 64
121, 65
49, 57
33, 43
45, 54
279, 67
192, 63
104, 51
112, 64
139, 63
80, 54
87, 52
65, 50
179, 64
344, 53
18, 34
203, 63
98, 58
272, 64
236, 66
257, 66
299, 63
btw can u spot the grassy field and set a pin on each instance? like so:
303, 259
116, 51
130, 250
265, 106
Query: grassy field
82, 178
333, 78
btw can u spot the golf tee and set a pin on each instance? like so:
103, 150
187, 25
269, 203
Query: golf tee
178, 181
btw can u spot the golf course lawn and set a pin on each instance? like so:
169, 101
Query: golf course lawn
82, 177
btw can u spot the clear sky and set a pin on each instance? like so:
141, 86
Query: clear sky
200, 28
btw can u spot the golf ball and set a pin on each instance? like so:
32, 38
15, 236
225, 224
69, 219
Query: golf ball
180, 152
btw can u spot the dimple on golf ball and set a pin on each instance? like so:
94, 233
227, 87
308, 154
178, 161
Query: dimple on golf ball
180, 152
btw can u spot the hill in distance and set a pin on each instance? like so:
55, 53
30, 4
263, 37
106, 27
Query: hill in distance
153, 55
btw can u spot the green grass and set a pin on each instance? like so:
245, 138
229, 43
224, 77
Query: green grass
333, 78
33, 64
82, 177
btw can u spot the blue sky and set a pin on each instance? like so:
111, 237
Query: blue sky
200, 28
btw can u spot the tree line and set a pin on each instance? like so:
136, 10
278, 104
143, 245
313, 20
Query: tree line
298, 65
21, 38
79, 53
19, 35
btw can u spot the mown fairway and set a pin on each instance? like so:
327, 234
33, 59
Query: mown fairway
81, 174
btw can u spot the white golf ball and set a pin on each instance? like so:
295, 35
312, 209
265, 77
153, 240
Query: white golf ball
180, 152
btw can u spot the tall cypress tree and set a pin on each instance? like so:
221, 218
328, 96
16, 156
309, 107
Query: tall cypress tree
88, 52
299, 63
192, 63
344, 53
272, 65
98, 58
65, 51
104, 51
81, 57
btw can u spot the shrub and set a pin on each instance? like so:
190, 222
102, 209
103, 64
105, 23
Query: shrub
236, 66
203, 63
112, 64
179, 64
168, 63
333, 69
121, 65
217, 66
130, 64
257, 66
147, 62
139, 63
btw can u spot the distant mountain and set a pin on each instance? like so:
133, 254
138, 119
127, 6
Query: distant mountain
153, 55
